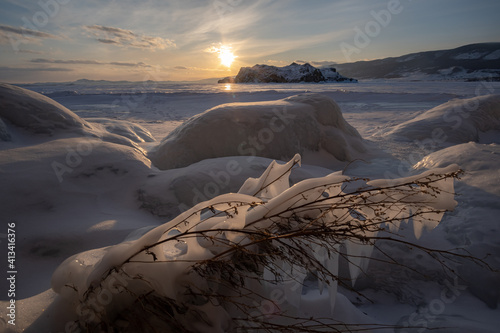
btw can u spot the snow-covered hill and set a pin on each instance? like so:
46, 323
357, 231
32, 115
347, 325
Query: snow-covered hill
470, 62
293, 73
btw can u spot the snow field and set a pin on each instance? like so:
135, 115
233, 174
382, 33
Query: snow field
98, 202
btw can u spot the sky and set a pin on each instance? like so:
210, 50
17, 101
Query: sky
67, 40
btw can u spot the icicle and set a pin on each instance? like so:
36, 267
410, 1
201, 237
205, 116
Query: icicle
333, 266
427, 221
358, 255
293, 285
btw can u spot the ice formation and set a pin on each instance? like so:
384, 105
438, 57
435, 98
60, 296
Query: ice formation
159, 266
299, 124
457, 121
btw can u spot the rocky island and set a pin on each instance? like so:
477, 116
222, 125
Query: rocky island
293, 73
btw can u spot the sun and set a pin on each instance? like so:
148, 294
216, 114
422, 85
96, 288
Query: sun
226, 55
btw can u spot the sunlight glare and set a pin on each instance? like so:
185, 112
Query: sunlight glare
226, 56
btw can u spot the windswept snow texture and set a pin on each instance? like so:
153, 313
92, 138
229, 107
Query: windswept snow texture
277, 130
457, 121
124, 128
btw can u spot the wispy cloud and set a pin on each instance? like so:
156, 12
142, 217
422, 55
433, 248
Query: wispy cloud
127, 38
14, 35
34, 69
88, 62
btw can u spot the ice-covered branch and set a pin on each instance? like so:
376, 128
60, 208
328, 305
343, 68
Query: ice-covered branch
209, 269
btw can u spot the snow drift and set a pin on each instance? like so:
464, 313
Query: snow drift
279, 129
38, 114
457, 121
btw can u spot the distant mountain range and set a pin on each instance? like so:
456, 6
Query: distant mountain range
293, 73
468, 63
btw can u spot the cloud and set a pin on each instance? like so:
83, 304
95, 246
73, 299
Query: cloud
127, 38
107, 41
88, 62
180, 67
78, 62
17, 35
34, 69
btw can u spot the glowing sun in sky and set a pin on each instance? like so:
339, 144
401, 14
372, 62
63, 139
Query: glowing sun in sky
226, 55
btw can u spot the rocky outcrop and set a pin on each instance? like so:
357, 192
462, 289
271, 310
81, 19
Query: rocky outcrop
293, 73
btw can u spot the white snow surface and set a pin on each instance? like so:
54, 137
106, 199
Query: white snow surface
457, 121
105, 184
276, 130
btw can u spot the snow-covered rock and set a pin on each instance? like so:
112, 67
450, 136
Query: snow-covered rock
304, 124
457, 121
36, 112
292, 73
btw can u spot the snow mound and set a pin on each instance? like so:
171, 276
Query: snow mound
476, 229
277, 129
124, 128
457, 121
37, 113
480, 161
60, 165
